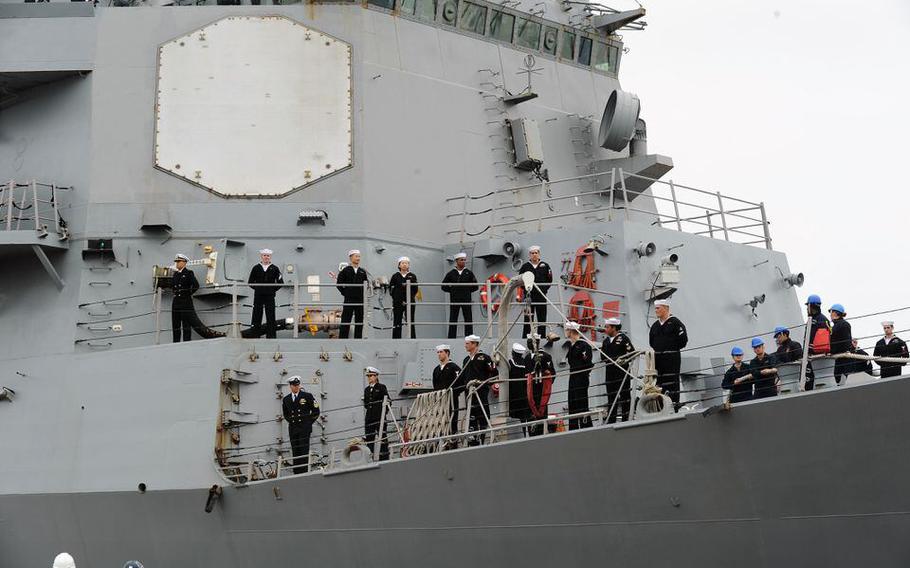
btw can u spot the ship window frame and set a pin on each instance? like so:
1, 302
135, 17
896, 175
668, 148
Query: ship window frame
440, 8
503, 14
382, 6
601, 49
579, 52
543, 37
427, 16
562, 45
461, 14
517, 35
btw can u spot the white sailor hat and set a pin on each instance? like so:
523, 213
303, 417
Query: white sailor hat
534, 248
371, 371
461, 255
519, 348
265, 251
887, 323
532, 335
443, 347
294, 380
613, 321
181, 256
573, 325
352, 252
662, 303
472, 337
403, 259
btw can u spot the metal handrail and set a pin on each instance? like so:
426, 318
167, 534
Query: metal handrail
733, 220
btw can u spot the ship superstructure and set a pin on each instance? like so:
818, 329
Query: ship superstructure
419, 128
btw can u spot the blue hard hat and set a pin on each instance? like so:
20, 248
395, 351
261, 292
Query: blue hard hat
781, 329
756, 341
838, 308
736, 350
814, 299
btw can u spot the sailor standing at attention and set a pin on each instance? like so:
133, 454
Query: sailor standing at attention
398, 288
580, 359
300, 410
460, 283
184, 285
477, 366
447, 376
350, 284
264, 296
543, 277
615, 346
374, 396
890, 346
667, 337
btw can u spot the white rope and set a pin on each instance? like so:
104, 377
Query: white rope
430, 417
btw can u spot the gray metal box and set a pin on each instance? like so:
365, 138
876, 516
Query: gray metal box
528, 148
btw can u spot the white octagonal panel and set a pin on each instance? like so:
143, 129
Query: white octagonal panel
253, 106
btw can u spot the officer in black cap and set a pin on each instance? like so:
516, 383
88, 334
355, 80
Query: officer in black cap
183, 313
300, 409
374, 396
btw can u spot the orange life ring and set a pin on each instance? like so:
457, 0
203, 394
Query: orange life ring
496, 298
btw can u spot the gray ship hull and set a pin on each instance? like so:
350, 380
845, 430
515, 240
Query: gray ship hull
814, 479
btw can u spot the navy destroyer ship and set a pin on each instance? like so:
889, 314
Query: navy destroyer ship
132, 131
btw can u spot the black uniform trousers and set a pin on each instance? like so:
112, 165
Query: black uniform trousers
371, 432
398, 320
891, 371
264, 304
453, 318
351, 312
300, 446
540, 313
456, 396
619, 399
578, 399
668, 374
183, 318
478, 419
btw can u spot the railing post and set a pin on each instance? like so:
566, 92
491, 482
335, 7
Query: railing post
9, 205
407, 308
543, 192
612, 193
625, 194
710, 226
56, 212
804, 360
377, 443
764, 224
35, 205
235, 325
675, 206
296, 310
723, 218
158, 292
367, 316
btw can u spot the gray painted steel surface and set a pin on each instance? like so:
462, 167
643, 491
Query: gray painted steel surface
103, 402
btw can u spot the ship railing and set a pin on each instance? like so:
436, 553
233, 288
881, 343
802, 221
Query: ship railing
301, 309
32, 206
604, 197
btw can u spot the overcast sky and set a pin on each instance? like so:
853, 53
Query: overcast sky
802, 104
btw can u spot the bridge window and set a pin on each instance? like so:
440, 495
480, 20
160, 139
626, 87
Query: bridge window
448, 12
568, 46
473, 17
501, 26
422, 9
584, 51
389, 4
528, 33
550, 35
